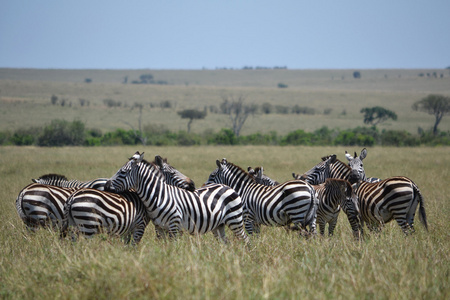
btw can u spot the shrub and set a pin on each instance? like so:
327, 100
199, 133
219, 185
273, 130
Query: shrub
61, 133
224, 137
298, 137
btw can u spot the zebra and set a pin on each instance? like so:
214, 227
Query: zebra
290, 202
62, 181
42, 202
42, 205
392, 198
172, 209
261, 178
330, 167
333, 195
91, 212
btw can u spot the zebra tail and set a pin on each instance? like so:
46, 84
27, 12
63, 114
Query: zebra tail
422, 214
66, 216
22, 215
312, 211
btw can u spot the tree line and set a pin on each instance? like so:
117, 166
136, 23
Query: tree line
75, 133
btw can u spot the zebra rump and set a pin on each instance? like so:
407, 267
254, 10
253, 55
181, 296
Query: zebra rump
91, 212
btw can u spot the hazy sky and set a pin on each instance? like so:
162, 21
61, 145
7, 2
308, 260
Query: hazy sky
195, 34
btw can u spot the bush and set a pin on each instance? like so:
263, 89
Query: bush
224, 137
398, 138
62, 133
298, 137
259, 139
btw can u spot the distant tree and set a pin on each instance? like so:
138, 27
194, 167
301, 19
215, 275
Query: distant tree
437, 105
88, 80
237, 111
139, 133
356, 74
54, 100
146, 78
282, 85
192, 115
376, 115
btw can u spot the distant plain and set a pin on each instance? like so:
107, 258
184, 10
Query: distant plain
25, 97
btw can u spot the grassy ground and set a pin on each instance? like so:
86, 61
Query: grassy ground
23, 91
278, 265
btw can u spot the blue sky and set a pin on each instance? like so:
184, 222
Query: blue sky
211, 34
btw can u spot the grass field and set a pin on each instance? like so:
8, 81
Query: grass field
23, 91
277, 266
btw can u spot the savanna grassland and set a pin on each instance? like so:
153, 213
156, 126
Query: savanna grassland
25, 98
278, 265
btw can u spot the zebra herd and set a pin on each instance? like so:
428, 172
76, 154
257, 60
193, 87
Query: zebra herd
142, 192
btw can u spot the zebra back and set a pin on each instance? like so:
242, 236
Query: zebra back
42, 205
290, 202
62, 181
92, 211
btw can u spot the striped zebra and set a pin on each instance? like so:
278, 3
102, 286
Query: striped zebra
290, 202
260, 177
330, 167
393, 198
62, 181
42, 203
91, 212
333, 195
172, 209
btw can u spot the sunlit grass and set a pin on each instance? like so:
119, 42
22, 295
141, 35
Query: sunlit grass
278, 265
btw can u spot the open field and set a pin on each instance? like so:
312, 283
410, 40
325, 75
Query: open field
278, 265
25, 97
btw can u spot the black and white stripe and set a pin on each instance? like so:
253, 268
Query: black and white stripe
333, 194
90, 212
395, 198
260, 177
172, 209
290, 202
41, 205
331, 167
62, 181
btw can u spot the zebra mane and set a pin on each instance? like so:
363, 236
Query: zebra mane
51, 177
242, 170
155, 167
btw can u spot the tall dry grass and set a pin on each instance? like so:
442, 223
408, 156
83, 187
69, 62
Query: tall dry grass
277, 266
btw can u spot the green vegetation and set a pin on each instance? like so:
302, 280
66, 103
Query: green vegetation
64, 133
277, 266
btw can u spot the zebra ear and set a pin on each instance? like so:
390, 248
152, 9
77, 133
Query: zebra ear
348, 156
363, 154
331, 159
159, 161
218, 164
293, 175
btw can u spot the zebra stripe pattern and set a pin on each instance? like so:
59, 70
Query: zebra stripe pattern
90, 212
172, 209
332, 194
330, 167
261, 178
393, 198
291, 202
42, 205
62, 181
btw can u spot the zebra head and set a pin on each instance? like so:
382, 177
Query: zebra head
351, 209
173, 176
218, 175
258, 174
357, 166
319, 173
126, 177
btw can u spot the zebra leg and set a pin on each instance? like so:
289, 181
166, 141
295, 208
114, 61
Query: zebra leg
160, 232
219, 233
332, 225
